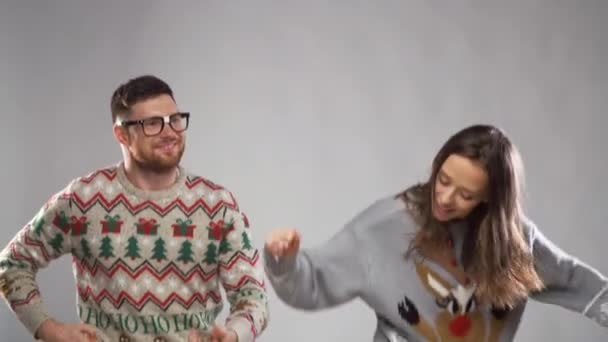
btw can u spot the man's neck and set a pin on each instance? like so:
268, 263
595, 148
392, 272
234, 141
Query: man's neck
150, 180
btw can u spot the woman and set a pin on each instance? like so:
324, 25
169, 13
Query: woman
452, 259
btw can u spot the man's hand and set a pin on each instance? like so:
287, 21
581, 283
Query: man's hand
53, 331
219, 333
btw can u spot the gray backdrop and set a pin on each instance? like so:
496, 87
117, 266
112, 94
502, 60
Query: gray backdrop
309, 111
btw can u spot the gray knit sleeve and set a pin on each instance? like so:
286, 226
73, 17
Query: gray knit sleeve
569, 282
327, 275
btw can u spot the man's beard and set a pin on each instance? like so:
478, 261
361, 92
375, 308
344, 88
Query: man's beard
147, 160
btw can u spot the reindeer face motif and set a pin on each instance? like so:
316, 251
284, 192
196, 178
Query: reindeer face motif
455, 315
457, 300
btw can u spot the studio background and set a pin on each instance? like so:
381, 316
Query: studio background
311, 110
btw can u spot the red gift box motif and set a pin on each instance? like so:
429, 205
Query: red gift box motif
62, 222
147, 226
79, 225
219, 229
112, 224
183, 228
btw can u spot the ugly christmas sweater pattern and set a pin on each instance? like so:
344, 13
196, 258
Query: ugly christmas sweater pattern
149, 266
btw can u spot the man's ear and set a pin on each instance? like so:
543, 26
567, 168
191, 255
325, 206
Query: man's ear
121, 134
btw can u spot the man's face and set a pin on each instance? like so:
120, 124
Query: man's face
149, 150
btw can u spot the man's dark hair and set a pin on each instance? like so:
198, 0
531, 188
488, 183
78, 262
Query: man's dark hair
135, 90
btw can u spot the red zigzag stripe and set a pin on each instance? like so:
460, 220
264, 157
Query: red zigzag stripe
193, 182
30, 296
123, 296
28, 241
134, 274
240, 256
134, 209
18, 256
141, 269
242, 281
109, 173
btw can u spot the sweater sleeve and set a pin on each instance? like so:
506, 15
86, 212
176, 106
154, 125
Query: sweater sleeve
242, 276
325, 276
569, 282
42, 240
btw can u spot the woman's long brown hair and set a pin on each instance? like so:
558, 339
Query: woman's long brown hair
495, 251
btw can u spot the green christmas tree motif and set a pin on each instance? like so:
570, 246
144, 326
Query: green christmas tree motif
132, 248
246, 242
159, 250
86, 250
185, 252
57, 242
106, 249
225, 247
37, 225
210, 254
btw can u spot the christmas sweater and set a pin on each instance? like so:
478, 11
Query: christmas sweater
420, 298
148, 265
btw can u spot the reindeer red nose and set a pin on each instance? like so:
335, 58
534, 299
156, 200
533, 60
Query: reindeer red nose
460, 326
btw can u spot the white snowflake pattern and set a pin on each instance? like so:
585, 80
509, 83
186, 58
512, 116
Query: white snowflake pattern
110, 189
172, 243
199, 244
185, 291
230, 276
93, 240
211, 196
197, 284
147, 283
244, 268
160, 290
135, 289
172, 283
34, 254
201, 192
121, 282
146, 241
86, 190
233, 237
189, 196
99, 184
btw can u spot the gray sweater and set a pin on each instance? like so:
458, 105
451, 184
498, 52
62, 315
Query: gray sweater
416, 299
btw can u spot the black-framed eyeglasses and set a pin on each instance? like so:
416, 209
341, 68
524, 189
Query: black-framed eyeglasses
155, 125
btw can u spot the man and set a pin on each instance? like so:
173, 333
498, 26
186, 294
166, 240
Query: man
150, 242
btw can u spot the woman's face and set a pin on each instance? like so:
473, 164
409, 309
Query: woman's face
460, 185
